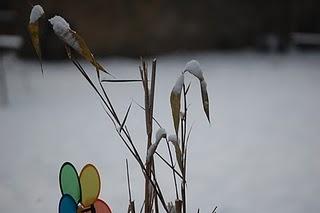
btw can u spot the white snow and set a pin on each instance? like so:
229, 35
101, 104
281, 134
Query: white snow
173, 138
194, 68
178, 85
151, 151
11, 41
62, 29
261, 153
161, 133
36, 12
59, 25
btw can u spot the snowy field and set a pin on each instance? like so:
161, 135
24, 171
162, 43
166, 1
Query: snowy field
261, 153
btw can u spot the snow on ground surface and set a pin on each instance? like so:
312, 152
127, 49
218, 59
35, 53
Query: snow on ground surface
261, 153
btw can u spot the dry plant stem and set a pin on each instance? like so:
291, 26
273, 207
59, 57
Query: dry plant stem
153, 118
154, 195
108, 100
149, 97
154, 183
178, 206
142, 207
184, 150
173, 173
127, 139
169, 165
147, 195
152, 92
214, 210
183, 191
131, 207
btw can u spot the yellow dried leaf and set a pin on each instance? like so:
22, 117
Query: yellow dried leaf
68, 50
175, 99
86, 53
34, 33
175, 108
205, 99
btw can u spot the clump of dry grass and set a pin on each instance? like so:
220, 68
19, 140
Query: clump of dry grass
154, 199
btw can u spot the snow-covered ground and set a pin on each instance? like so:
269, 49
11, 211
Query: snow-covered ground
261, 153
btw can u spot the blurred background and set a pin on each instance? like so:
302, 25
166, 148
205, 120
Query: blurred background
261, 60
151, 27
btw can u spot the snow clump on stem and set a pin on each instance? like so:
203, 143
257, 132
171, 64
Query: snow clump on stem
36, 12
62, 29
194, 68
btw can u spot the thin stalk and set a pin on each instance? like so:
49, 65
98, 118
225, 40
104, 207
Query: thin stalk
128, 180
184, 150
155, 184
153, 118
132, 149
173, 173
149, 99
152, 90
142, 207
168, 164
131, 207
108, 100
214, 210
183, 191
144, 78
151, 103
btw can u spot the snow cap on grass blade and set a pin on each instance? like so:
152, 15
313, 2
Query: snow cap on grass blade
33, 27
151, 151
36, 12
161, 133
59, 25
65, 33
194, 68
62, 29
173, 138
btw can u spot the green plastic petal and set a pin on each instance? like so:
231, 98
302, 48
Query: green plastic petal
69, 181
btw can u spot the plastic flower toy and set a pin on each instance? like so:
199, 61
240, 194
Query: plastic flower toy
80, 192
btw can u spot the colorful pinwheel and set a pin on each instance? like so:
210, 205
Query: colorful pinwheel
80, 193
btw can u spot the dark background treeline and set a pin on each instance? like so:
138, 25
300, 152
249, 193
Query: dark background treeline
148, 27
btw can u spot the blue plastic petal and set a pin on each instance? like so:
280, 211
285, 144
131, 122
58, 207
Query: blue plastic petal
67, 204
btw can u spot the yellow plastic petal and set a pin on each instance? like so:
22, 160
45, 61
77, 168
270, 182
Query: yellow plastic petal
90, 185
